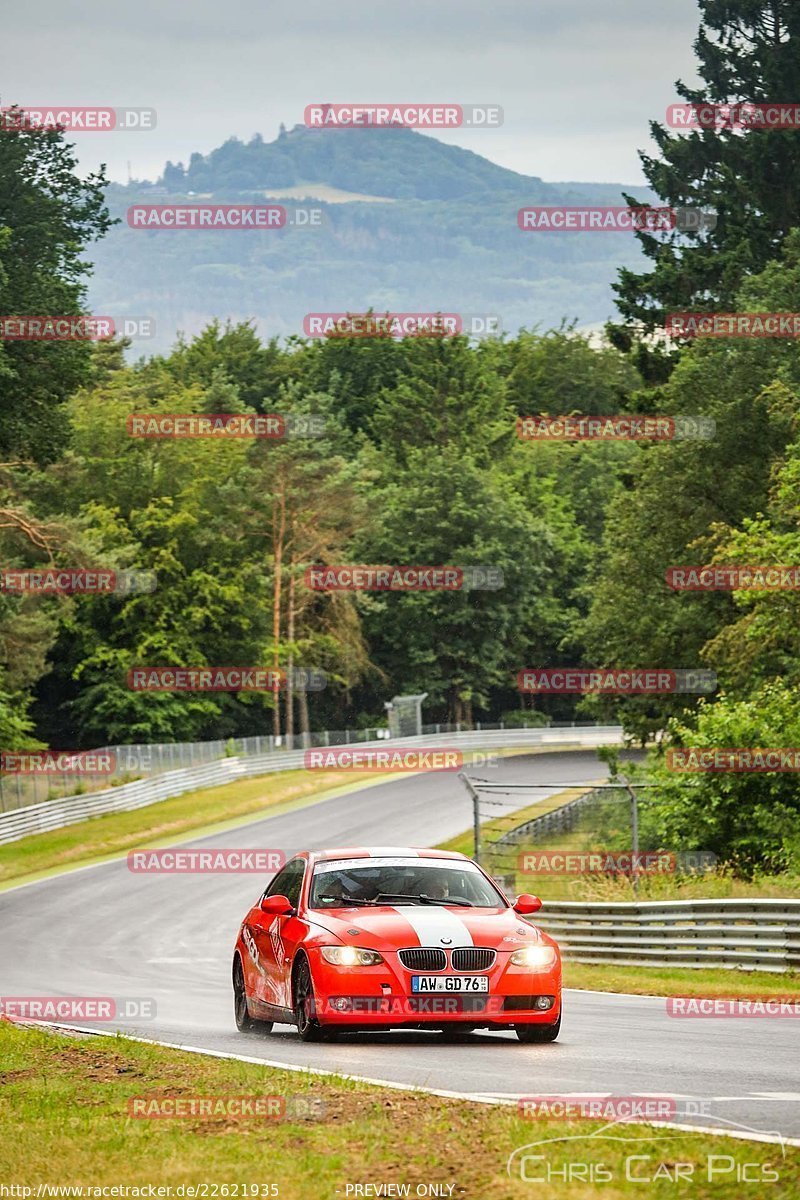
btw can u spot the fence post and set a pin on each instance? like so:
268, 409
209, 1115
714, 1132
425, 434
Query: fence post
634, 833
476, 816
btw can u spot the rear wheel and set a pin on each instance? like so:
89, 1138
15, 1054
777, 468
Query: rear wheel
539, 1033
307, 1027
244, 1022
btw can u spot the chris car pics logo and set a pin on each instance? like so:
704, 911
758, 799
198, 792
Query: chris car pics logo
617, 1153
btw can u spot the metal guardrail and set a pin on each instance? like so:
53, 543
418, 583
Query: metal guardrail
134, 761
762, 935
55, 814
755, 934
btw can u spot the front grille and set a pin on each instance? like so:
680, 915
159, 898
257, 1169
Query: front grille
472, 958
423, 958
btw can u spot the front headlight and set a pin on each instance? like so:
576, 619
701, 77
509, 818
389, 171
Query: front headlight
350, 956
535, 958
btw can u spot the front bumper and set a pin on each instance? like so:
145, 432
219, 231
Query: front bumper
381, 996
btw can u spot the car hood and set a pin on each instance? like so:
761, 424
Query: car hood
389, 927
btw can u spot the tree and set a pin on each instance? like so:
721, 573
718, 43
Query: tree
680, 494
299, 502
750, 820
748, 51
48, 217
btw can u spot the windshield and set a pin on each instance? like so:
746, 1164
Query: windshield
360, 882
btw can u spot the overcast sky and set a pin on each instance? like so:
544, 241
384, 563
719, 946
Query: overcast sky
578, 80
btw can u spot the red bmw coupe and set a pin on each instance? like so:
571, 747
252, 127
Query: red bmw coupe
366, 939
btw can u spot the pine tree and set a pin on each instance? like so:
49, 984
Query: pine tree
748, 51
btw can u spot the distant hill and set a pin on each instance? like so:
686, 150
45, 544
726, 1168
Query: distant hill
433, 227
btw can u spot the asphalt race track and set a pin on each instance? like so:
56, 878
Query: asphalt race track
103, 931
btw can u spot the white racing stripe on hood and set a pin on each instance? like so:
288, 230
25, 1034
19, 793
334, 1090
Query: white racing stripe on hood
433, 923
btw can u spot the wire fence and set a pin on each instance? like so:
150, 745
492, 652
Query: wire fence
530, 844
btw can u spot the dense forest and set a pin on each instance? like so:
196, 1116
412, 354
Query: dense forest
416, 459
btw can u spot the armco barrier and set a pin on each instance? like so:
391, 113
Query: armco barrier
54, 814
761, 935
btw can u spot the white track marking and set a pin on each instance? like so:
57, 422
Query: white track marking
475, 1098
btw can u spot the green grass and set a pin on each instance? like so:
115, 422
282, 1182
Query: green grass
194, 814
169, 820
64, 1105
680, 981
464, 842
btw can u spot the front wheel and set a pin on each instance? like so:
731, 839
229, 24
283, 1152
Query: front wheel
307, 1027
244, 1022
539, 1033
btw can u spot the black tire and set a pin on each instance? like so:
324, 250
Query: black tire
308, 1028
244, 1022
539, 1033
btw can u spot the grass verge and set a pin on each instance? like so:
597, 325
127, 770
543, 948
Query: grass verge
64, 1120
169, 820
676, 981
206, 811
464, 843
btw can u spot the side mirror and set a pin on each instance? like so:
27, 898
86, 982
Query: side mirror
278, 906
526, 904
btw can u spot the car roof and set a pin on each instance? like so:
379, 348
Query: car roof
368, 852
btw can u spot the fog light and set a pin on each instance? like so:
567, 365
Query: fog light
544, 1002
340, 1003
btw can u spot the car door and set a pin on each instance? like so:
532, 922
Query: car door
278, 936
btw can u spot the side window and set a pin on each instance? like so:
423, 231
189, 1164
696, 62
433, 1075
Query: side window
281, 881
288, 882
294, 885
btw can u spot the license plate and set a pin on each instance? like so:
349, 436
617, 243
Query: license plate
449, 983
